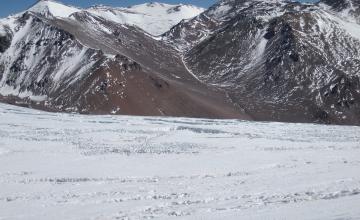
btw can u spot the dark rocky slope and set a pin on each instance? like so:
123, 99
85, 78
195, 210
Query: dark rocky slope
282, 61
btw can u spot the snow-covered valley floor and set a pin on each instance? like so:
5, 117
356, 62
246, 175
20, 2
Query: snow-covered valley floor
62, 166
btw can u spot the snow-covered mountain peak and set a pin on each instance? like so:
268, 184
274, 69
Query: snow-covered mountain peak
161, 6
227, 9
155, 18
53, 8
150, 4
177, 12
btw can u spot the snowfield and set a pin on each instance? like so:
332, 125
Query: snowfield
155, 18
63, 166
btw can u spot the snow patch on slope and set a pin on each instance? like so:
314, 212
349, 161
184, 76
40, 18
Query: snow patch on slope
347, 24
2, 30
10, 91
220, 11
73, 62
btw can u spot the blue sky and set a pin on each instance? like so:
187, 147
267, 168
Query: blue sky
13, 6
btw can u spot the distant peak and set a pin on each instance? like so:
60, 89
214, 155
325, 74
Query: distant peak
53, 8
149, 4
46, 2
154, 3
160, 4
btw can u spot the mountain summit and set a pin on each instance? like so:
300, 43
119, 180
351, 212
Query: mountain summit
155, 18
53, 8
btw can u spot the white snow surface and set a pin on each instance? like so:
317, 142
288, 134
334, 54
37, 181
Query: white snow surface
155, 18
64, 166
2, 30
56, 9
10, 91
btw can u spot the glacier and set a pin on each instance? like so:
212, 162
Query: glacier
69, 166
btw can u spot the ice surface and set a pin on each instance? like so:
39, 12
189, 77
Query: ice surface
63, 166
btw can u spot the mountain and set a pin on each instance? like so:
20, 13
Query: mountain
268, 60
60, 58
279, 60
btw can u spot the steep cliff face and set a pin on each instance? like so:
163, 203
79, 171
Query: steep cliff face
280, 60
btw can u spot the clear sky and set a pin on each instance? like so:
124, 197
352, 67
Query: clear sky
8, 7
